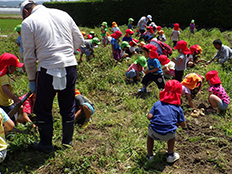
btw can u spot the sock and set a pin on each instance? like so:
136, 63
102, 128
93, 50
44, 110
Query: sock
87, 120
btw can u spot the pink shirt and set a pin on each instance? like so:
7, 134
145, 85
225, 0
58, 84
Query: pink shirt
135, 67
220, 92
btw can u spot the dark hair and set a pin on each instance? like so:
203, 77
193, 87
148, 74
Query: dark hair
217, 85
29, 6
217, 42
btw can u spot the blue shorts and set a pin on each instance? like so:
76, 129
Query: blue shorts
222, 105
85, 51
132, 73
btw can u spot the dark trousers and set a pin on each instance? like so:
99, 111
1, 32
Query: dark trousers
179, 75
174, 43
45, 95
158, 79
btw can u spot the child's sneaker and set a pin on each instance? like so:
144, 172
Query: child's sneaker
150, 158
86, 123
173, 158
144, 89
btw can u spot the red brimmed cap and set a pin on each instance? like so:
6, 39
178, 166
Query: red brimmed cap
182, 45
129, 31
116, 34
152, 49
8, 59
176, 26
213, 78
171, 93
158, 28
133, 42
163, 59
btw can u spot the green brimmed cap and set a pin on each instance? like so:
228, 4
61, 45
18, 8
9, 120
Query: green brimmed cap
18, 28
95, 40
142, 61
125, 44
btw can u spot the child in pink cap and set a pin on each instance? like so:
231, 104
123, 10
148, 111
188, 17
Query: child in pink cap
8, 64
168, 66
180, 61
218, 98
175, 35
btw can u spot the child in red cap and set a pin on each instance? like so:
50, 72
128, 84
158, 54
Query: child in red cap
192, 58
128, 35
218, 97
168, 66
164, 117
132, 48
180, 61
154, 72
175, 35
8, 64
149, 31
115, 45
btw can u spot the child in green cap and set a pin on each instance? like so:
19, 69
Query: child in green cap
104, 27
130, 23
135, 71
20, 44
87, 48
192, 26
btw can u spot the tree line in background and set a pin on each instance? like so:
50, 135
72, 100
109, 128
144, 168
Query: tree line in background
206, 13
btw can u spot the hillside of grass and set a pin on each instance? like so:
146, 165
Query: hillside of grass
115, 142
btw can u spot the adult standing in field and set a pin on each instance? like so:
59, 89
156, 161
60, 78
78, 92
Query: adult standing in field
142, 24
51, 36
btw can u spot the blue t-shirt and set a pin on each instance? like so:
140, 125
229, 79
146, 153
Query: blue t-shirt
128, 39
130, 26
115, 43
154, 63
165, 117
19, 41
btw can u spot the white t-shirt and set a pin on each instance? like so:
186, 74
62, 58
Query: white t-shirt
143, 23
170, 65
175, 35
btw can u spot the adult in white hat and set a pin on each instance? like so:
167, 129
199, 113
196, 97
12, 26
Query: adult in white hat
50, 36
142, 24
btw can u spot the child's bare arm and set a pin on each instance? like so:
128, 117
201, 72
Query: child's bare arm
182, 124
190, 100
9, 94
8, 125
149, 116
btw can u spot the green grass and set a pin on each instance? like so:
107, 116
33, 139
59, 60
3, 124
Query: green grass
116, 141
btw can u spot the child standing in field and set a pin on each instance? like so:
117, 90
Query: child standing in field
8, 64
116, 49
218, 97
84, 109
192, 26
104, 33
175, 35
136, 69
180, 61
130, 23
20, 44
6, 124
165, 116
154, 72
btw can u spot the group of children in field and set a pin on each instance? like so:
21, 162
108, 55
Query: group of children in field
166, 111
